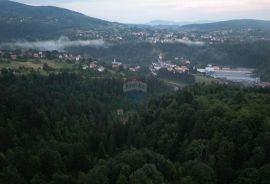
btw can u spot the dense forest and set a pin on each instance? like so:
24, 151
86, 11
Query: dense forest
64, 129
180, 77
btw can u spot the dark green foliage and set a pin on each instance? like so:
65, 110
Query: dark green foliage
182, 77
212, 125
64, 129
46, 67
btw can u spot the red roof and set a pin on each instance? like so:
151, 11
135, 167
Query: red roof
120, 110
139, 79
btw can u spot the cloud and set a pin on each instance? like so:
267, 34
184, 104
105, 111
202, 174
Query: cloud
189, 42
49, 45
223, 5
186, 42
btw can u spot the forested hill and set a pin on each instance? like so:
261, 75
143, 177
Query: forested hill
22, 21
231, 24
64, 129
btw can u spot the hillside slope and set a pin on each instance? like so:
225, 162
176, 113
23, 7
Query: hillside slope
231, 24
20, 21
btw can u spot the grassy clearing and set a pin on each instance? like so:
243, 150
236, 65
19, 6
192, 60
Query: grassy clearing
35, 64
206, 80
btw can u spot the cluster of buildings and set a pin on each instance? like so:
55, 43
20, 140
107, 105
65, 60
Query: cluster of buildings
31, 54
224, 35
163, 36
210, 69
239, 75
264, 85
156, 66
135, 68
14, 55
66, 56
209, 37
172, 36
94, 66
116, 65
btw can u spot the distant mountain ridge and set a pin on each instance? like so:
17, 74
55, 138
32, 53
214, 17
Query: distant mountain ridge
14, 12
22, 21
230, 24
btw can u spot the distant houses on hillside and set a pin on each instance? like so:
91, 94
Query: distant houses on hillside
33, 54
155, 67
115, 64
94, 66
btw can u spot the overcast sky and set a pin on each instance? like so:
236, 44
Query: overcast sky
141, 11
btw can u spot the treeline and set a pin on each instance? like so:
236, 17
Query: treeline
64, 129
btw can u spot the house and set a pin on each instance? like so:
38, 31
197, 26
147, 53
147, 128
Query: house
201, 70
216, 68
93, 65
181, 69
209, 69
125, 66
226, 68
134, 69
120, 112
101, 69
40, 54
78, 58
13, 56
264, 85
35, 55
116, 64
84, 67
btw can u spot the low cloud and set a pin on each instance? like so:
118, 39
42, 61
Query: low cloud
50, 45
186, 42
189, 42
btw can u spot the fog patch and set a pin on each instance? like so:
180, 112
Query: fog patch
49, 45
190, 43
186, 42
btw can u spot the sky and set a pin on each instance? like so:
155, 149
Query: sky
142, 11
